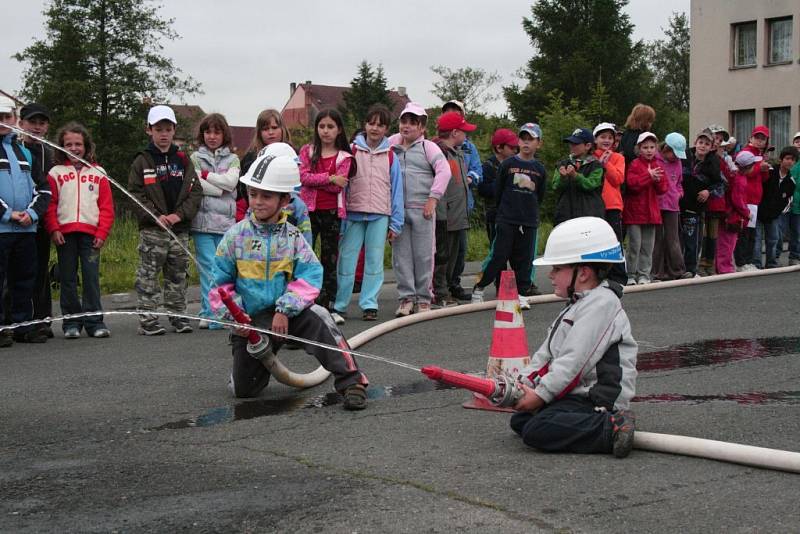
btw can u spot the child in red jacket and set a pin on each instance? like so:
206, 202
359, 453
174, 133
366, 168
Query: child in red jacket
737, 213
645, 180
79, 218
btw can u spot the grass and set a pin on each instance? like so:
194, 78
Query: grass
120, 257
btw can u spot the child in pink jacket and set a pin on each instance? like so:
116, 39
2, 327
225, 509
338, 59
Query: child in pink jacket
667, 252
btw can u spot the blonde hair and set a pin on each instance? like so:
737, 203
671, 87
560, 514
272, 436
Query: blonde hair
263, 120
642, 117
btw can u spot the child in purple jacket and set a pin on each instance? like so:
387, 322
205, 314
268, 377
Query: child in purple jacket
667, 254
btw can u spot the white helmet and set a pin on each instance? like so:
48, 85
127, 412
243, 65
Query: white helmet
270, 173
278, 149
582, 240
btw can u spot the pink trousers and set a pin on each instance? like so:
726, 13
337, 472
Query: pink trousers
726, 242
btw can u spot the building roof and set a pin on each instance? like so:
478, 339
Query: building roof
187, 113
332, 96
242, 136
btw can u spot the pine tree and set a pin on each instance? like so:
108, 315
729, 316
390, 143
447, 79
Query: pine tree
366, 89
100, 64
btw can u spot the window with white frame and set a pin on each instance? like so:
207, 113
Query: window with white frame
744, 44
778, 122
779, 40
743, 122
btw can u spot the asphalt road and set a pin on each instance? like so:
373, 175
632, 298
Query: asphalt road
135, 434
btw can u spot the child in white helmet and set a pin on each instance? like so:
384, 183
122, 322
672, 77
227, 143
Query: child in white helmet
277, 277
580, 382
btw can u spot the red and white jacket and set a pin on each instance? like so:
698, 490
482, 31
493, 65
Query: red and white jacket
82, 201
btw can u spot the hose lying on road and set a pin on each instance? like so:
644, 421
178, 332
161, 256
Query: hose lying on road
668, 443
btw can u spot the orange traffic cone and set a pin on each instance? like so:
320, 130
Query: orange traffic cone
509, 351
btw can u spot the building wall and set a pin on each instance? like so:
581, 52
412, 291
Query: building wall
717, 87
295, 112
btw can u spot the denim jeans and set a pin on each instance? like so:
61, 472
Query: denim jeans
690, 239
372, 236
770, 232
78, 247
205, 247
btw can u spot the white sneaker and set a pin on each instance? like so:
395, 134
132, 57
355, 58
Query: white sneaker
203, 324
523, 303
643, 280
749, 268
337, 318
477, 295
631, 281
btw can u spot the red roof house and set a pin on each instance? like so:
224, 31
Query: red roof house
307, 99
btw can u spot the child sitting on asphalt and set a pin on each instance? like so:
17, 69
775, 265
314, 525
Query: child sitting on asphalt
277, 277
580, 382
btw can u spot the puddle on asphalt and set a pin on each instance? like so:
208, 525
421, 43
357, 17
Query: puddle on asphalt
265, 407
697, 354
754, 397
716, 351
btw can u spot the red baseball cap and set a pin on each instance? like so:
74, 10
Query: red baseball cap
452, 120
760, 129
504, 136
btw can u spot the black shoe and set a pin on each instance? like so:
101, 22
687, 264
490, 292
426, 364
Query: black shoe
370, 315
181, 326
151, 328
355, 397
623, 423
6, 339
31, 336
458, 293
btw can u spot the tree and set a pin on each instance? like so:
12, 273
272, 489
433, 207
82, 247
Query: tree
366, 89
100, 63
671, 62
470, 86
576, 43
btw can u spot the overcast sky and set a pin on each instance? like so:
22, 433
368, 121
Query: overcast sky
246, 53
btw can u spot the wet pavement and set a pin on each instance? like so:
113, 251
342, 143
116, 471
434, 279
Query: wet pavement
134, 434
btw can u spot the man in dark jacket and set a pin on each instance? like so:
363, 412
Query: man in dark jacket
778, 192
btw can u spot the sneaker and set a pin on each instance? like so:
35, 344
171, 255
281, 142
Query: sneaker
355, 397
370, 315
151, 328
458, 293
6, 339
181, 326
793, 261
72, 333
643, 280
523, 303
203, 324
444, 302
623, 425
101, 332
338, 317
533, 291
477, 295
423, 307
31, 336
687, 275
631, 281
749, 268
405, 308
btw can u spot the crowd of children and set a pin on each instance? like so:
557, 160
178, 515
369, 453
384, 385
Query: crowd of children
683, 211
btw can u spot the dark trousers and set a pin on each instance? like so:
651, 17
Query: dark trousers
42, 296
743, 253
513, 244
445, 258
18, 265
77, 247
690, 239
667, 253
325, 225
570, 424
617, 272
454, 278
491, 216
315, 323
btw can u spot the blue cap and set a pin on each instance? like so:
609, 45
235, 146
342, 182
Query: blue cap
531, 128
677, 143
580, 135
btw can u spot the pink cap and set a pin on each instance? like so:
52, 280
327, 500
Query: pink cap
414, 109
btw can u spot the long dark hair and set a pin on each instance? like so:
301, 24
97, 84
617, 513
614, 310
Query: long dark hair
78, 128
341, 138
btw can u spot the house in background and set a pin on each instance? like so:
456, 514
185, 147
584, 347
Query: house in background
189, 117
745, 67
307, 99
